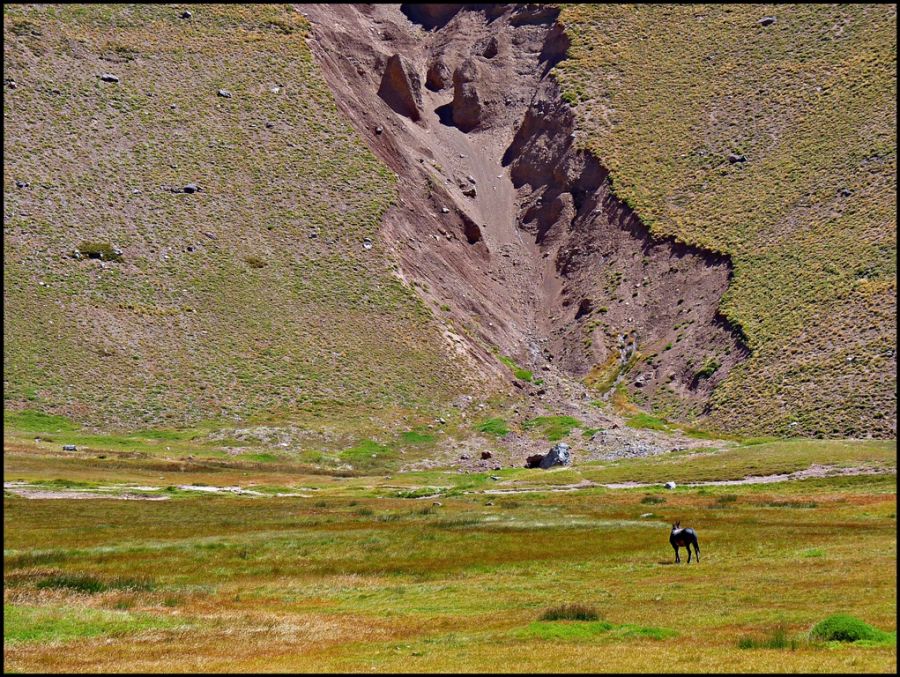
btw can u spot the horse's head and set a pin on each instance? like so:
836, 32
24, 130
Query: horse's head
676, 526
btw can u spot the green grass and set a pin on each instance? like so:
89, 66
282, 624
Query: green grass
663, 93
519, 372
644, 420
493, 426
846, 628
40, 624
358, 574
552, 428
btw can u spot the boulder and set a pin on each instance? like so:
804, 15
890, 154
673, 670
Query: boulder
767, 21
558, 455
438, 76
467, 104
224, 93
401, 87
485, 455
109, 77
70, 447
734, 157
670, 485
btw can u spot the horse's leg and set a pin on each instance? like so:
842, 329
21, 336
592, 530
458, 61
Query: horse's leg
688, 548
697, 551
677, 558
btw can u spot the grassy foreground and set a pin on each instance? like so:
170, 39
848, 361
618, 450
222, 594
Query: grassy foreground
356, 574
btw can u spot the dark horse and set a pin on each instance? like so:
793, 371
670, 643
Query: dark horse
684, 538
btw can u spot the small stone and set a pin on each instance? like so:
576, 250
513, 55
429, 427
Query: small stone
767, 21
469, 192
11, 84
471, 179
186, 14
224, 93
109, 77
191, 188
489, 503
269, 125
495, 477
734, 157
437, 504
485, 455
22, 184
442, 421
463, 457
647, 514
462, 155
70, 447
444, 210
367, 243
379, 129
670, 485
846, 192
313, 235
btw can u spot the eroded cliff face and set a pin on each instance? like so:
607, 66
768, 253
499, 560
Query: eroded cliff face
504, 220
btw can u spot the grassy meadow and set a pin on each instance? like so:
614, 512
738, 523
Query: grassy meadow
446, 571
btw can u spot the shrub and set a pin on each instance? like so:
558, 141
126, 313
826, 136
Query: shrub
570, 612
777, 639
845, 628
708, 369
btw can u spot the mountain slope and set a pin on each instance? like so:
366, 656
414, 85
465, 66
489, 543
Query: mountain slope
255, 295
664, 94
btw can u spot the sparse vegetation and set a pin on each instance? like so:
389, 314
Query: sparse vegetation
666, 92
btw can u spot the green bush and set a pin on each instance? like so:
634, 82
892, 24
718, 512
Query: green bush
493, 426
570, 612
845, 628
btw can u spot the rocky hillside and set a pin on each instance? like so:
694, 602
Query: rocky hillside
260, 211
191, 229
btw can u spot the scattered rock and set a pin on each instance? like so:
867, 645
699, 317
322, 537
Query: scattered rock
471, 179
467, 104
437, 504
463, 457
846, 192
493, 46
22, 184
438, 76
469, 192
489, 503
269, 125
186, 14
734, 157
224, 93
11, 84
379, 129
367, 243
767, 21
313, 235
534, 461
444, 210
401, 87
190, 188
558, 455
70, 447
495, 477
647, 514
486, 455
670, 485
109, 77
441, 421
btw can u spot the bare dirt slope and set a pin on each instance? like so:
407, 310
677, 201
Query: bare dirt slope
540, 261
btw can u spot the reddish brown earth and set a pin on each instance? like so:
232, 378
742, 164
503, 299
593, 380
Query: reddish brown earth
542, 263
